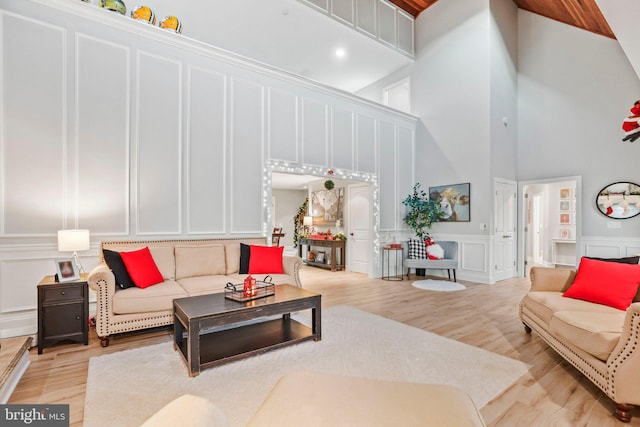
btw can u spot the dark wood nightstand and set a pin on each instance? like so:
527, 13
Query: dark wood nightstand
63, 311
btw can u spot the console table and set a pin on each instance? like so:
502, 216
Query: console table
333, 253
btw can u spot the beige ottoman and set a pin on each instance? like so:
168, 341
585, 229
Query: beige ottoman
316, 399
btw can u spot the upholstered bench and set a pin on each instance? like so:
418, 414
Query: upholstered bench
317, 399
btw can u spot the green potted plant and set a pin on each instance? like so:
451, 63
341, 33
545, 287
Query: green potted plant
421, 213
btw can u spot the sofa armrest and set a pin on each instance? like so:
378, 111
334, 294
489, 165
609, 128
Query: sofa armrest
624, 362
551, 279
291, 265
103, 282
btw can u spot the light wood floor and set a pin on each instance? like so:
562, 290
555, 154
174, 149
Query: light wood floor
552, 393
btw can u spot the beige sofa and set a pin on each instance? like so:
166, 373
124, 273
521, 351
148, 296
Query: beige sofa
189, 267
320, 399
600, 341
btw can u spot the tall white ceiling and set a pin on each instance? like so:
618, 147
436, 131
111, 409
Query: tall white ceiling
286, 34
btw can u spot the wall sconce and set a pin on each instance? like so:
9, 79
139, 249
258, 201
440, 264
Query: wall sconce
74, 241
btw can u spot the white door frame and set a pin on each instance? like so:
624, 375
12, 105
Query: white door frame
348, 231
522, 219
512, 270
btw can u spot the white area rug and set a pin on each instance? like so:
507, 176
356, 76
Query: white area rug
125, 388
438, 285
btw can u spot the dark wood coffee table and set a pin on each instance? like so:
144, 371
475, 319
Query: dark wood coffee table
210, 329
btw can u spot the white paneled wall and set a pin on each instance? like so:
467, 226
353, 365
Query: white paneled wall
206, 167
137, 133
378, 19
158, 143
101, 134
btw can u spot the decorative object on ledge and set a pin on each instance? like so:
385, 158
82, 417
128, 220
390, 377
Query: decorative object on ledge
328, 184
620, 200
144, 14
454, 201
114, 5
171, 23
422, 212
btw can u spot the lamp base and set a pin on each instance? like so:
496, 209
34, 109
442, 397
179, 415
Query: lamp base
78, 263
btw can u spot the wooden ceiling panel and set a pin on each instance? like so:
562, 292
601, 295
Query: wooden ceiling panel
413, 7
583, 14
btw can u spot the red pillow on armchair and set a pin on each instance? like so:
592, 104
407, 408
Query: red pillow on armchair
607, 283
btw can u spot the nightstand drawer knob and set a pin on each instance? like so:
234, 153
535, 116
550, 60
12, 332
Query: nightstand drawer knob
64, 292
77, 317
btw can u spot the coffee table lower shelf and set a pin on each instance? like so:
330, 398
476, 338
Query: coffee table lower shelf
238, 343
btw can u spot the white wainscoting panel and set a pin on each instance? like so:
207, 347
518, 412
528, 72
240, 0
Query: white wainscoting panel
474, 256
343, 10
314, 132
405, 32
366, 144
366, 16
283, 122
206, 152
406, 175
33, 126
387, 176
19, 278
342, 139
103, 99
246, 156
387, 31
610, 247
159, 130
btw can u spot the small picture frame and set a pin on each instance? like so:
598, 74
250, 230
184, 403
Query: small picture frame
565, 205
565, 218
564, 233
67, 270
320, 257
565, 193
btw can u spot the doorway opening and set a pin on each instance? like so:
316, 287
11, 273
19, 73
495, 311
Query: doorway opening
550, 223
288, 187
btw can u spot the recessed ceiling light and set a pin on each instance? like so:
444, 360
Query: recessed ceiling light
340, 52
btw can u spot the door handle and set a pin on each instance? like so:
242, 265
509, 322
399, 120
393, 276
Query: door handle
350, 234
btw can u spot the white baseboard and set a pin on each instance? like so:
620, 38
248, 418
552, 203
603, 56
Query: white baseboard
14, 377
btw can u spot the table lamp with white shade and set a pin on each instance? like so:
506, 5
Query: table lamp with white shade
74, 241
307, 222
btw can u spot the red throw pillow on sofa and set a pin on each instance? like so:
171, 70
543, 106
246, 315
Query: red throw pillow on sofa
266, 260
142, 268
607, 283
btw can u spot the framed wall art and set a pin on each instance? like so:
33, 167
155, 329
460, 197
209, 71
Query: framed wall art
620, 200
565, 218
454, 200
67, 270
565, 205
327, 206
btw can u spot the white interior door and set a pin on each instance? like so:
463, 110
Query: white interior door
537, 222
505, 230
359, 238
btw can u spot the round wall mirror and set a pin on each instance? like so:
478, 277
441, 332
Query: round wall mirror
620, 200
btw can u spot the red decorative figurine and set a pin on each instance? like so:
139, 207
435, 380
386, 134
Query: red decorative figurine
250, 288
631, 125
